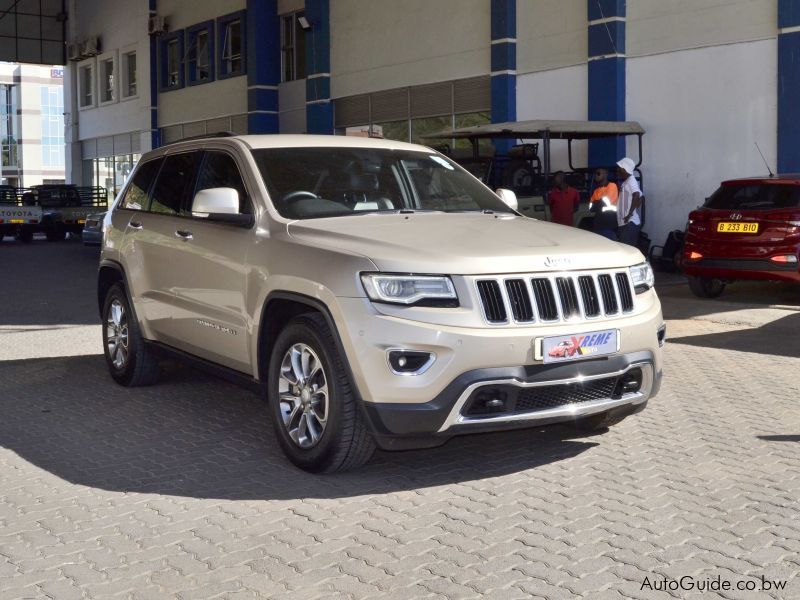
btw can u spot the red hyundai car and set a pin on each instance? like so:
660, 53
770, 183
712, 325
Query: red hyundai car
748, 229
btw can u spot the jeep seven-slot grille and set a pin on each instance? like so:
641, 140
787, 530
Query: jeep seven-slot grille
558, 297
492, 301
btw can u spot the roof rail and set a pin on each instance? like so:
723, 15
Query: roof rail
203, 136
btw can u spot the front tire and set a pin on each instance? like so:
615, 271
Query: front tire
705, 287
317, 420
58, 235
129, 360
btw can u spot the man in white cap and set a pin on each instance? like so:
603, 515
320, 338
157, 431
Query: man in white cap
630, 199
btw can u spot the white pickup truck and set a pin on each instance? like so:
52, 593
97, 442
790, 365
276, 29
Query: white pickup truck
17, 220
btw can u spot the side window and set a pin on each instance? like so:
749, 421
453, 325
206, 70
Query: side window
175, 181
219, 170
136, 195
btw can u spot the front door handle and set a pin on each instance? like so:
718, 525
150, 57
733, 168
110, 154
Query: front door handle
135, 224
184, 235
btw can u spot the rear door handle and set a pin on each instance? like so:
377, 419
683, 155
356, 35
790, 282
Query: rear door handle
185, 235
135, 224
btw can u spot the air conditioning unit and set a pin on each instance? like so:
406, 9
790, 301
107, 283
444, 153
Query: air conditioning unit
91, 47
74, 52
156, 24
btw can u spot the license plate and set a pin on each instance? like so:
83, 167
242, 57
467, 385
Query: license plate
17, 221
562, 348
726, 227
81, 221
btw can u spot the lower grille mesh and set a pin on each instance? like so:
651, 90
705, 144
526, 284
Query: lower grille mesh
555, 396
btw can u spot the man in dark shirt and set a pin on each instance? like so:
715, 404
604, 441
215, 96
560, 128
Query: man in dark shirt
563, 200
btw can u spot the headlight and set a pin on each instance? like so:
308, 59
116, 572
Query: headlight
426, 290
642, 277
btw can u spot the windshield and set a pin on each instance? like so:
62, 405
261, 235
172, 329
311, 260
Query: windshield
755, 196
310, 183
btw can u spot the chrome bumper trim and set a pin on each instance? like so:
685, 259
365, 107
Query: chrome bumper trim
566, 412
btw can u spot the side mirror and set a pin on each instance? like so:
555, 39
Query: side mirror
220, 204
509, 197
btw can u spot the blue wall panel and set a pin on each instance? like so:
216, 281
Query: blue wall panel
263, 65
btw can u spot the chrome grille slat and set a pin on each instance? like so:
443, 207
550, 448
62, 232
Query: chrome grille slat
555, 297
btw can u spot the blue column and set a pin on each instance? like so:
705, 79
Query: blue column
504, 66
319, 109
263, 65
788, 86
606, 75
155, 134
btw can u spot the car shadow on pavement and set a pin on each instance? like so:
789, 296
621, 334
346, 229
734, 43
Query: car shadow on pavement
779, 438
776, 338
679, 303
194, 435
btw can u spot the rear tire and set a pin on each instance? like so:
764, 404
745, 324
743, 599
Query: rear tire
25, 236
129, 360
705, 287
315, 413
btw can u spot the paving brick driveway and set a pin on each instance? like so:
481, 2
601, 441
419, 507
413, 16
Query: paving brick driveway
179, 490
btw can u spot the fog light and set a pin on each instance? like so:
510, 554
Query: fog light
409, 362
488, 401
629, 383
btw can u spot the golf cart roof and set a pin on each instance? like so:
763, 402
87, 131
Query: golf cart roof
577, 130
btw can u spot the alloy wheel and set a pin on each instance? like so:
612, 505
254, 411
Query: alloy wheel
303, 395
117, 334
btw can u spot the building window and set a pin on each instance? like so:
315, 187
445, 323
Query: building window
172, 61
129, 72
86, 85
107, 80
52, 126
200, 63
293, 47
8, 125
232, 45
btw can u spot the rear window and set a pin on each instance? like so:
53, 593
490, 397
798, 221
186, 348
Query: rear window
755, 196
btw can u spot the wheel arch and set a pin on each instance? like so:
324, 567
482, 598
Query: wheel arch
278, 309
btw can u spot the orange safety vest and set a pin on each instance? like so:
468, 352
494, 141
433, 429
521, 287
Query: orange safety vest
609, 191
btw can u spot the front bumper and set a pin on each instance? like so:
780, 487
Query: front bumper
398, 426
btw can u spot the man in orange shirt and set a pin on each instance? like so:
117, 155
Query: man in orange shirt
563, 200
604, 205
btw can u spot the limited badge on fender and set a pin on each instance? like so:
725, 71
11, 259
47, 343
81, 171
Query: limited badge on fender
561, 348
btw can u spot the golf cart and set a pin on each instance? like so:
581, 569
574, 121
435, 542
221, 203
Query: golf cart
526, 169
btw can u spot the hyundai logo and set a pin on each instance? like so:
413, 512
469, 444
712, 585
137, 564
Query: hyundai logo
736, 217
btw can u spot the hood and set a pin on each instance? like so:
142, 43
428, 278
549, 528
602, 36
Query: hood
464, 243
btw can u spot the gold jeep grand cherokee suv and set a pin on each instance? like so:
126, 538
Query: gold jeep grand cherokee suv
374, 292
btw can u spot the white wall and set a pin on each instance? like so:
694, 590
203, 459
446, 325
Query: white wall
703, 111
119, 25
556, 94
292, 106
551, 34
385, 44
655, 26
181, 14
220, 98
